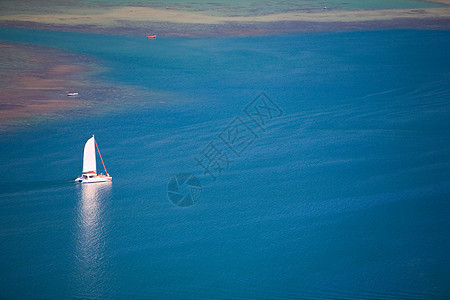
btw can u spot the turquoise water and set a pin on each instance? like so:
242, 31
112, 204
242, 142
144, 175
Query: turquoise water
345, 195
214, 7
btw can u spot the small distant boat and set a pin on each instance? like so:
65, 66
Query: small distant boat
90, 164
72, 94
151, 36
168, 7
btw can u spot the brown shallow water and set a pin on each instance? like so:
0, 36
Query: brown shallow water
35, 81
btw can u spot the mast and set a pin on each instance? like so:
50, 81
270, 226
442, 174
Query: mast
101, 158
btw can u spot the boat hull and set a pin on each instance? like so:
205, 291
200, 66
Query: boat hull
94, 179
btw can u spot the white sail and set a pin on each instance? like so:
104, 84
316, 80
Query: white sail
89, 162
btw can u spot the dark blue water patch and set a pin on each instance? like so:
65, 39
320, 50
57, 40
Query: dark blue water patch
343, 196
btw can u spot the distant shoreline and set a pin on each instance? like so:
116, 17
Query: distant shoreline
145, 20
440, 1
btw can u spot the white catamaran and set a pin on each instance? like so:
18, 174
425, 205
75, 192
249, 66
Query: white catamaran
90, 165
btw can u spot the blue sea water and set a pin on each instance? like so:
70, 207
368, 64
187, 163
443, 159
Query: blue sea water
343, 195
211, 7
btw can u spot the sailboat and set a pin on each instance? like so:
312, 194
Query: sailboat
90, 164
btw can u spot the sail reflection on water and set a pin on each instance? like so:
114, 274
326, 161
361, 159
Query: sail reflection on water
91, 233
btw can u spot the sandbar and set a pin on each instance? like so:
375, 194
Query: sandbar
172, 22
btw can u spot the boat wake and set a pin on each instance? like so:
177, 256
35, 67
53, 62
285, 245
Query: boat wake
19, 187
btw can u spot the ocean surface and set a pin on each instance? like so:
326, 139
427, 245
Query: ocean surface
211, 7
339, 188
